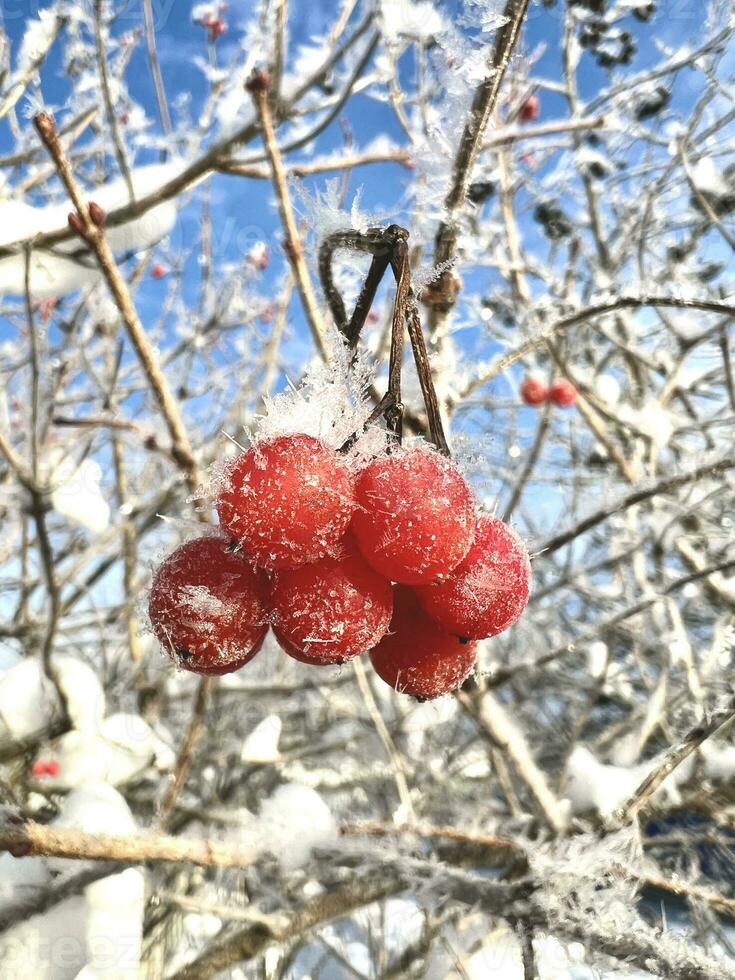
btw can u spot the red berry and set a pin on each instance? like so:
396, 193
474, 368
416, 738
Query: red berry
414, 517
331, 610
534, 391
418, 656
289, 501
488, 592
293, 651
208, 607
159, 271
530, 109
563, 393
45, 767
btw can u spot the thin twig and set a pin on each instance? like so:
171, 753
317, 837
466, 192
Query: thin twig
95, 238
404, 793
183, 762
260, 90
29, 838
673, 758
483, 104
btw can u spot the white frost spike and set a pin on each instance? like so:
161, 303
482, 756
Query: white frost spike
261, 745
292, 822
29, 701
331, 404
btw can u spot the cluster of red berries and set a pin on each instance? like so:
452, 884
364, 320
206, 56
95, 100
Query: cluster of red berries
535, 391
392, 559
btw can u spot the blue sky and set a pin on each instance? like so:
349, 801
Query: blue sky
244, 209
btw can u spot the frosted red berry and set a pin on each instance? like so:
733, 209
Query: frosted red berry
331, 610
296, 654
288, 501
531, 109
487, 593
159, 271
418, 656
208, 607
534, 391
563, 393
415, 518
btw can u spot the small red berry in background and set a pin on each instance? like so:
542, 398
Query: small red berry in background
534, 391
45, 767
287, 500
259, 256
208, 607
331, 610
216, 27
46, 307
530, 110
159, 271
563, 393
488, 592
415, 516
418, 656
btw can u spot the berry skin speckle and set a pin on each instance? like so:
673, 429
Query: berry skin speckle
534, 391
418, 656
288, 501
488, 592
563, 393
331, 610
208, 607
414, 519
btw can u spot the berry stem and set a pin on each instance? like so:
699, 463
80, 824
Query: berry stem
388, 246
